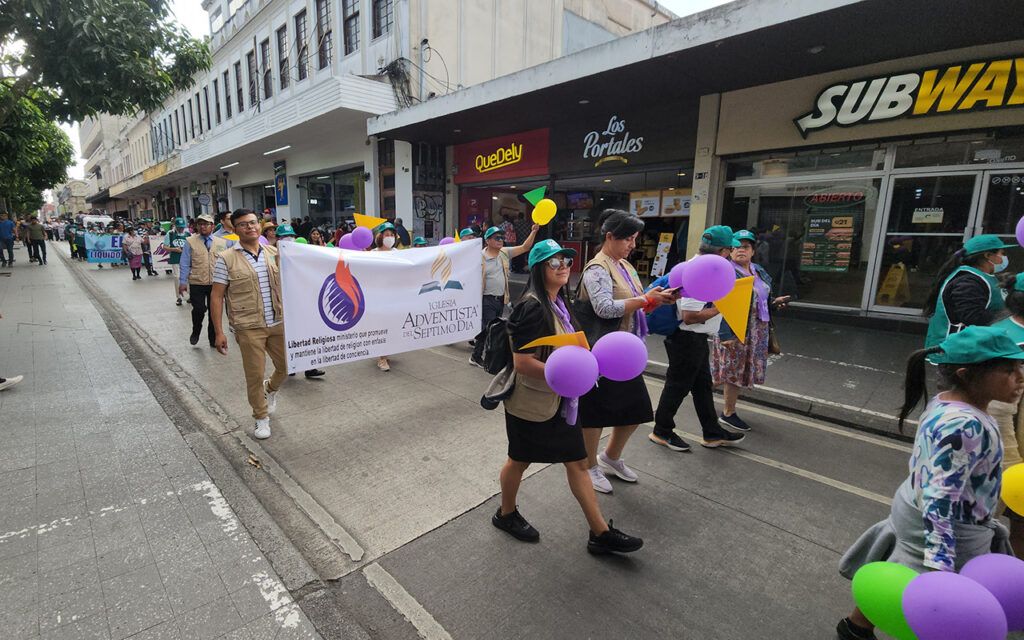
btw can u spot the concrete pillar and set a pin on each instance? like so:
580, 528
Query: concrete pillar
707, 173
403, 180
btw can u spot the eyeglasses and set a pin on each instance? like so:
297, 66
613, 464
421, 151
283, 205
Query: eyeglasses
247, 225
558, 263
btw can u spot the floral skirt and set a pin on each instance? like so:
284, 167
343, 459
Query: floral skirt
742, 364
135, 261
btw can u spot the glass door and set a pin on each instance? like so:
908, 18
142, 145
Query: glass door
1002, 205
928, 219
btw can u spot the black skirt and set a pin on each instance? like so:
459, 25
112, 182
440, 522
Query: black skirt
616, 404
549, 441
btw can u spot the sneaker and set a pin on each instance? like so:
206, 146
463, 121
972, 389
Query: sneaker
476, 363
845, 631
618, 467
734, 422
383, 365
472, 343
672, 442
726, 439
7, 383
178, 302
315, 373
271, 397
598, 479
613, 541
194, 338
515, 525
262, 431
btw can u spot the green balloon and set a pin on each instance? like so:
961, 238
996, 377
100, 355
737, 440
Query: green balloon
301, 241
878, 591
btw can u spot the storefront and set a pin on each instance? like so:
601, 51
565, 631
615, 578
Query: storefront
330, 198
861, 183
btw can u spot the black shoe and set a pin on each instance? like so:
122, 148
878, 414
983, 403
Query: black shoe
734, 422
473, 360
725, 439
672, 442
611, 541
194, 338
315, 373
515, 525
845, 631
472, 343
291, 375
178, 302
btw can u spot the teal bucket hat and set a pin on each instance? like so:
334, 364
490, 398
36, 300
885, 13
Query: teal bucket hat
492, 231
546, 249
983, 243
719, 236
465, 233
977, 344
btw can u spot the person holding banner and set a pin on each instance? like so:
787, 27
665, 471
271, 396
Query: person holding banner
741, 364
611, 298
541, 427
248, 277
385, 240
174, 243
196, 275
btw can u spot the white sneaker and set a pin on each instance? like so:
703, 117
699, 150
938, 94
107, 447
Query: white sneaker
383, 364
271, 397
600, 482
10, 382
262, 429
618, 467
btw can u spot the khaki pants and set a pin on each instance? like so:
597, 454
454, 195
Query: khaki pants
255, 345
176, 274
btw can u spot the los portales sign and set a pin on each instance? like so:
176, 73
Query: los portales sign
611, 145
983, 85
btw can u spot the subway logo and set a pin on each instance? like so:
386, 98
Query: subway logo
983, 85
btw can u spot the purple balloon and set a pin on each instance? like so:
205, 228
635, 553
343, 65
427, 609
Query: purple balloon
446, 240
941, 605
361, 237
346, 242
1020, 232
571, 371
675, 276
1003, 577
708, 278
620, 355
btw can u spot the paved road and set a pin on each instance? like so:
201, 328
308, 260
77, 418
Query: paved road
388, 482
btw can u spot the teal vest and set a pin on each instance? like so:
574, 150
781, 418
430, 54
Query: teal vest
1014, 330
939, 326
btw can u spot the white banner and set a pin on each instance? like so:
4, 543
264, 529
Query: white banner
341, 306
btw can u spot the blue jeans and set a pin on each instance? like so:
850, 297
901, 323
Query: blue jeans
7, 244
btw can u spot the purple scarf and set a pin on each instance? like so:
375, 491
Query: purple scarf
639, 318
761, 291
570, 408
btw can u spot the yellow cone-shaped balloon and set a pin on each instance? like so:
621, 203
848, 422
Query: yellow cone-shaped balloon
735, 307
544, 211
577, 339
369, 222
231, 236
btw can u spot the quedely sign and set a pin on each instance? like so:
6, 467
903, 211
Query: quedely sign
514, 156
970, 86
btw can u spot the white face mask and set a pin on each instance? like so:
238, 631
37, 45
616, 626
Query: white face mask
388, 241
999, 267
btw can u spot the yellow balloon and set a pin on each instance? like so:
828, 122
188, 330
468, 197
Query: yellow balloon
1013, 487
544, 211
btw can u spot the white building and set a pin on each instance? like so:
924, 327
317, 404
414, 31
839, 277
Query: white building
279, 121
70, 197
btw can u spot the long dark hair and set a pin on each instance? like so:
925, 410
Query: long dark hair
955, 261
621, 224
915, 389
535, 287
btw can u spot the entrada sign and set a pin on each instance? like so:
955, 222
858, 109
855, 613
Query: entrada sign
982, 85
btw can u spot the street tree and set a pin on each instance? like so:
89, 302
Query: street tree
34, 152
95, 56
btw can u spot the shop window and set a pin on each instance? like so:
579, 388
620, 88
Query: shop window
951, 151
806, 162
813, 238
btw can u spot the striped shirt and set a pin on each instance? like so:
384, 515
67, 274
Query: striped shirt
259, 264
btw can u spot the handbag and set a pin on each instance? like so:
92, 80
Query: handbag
774, 347
501, 387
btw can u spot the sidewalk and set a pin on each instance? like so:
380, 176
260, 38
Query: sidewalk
109, 525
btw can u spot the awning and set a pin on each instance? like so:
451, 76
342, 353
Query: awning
100, 196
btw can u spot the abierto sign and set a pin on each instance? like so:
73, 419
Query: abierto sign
963, 87
514, 156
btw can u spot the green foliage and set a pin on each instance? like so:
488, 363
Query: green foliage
95, 56
34, 152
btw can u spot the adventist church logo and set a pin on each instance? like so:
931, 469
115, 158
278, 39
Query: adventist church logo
341, 301
441, 272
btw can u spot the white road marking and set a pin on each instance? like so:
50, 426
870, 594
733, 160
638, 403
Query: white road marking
426, 626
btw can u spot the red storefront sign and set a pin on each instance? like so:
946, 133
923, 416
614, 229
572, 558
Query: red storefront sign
513, 156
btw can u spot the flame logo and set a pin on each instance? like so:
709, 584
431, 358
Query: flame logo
341, 299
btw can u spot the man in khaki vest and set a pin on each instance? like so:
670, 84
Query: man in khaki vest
248, 276
195, 274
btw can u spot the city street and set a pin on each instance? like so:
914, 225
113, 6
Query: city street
384, 483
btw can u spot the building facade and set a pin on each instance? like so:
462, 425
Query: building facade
70, 197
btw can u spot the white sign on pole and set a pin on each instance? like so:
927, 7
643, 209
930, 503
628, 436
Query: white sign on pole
342, 306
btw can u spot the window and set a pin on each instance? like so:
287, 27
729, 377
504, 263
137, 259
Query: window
250, 63
268, 85
323, 33
191, 120
238, 86
227, 95
216, 100
383, 16
199, 113
350, 26
206, 104
301, 44
282, 56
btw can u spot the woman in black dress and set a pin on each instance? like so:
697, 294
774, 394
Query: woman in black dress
541, 427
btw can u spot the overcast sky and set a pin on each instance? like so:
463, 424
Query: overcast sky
190, 14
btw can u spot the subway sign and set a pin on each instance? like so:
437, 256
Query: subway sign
973, 86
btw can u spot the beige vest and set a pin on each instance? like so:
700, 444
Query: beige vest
245, 300
202, 260
532, 399
620, 287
